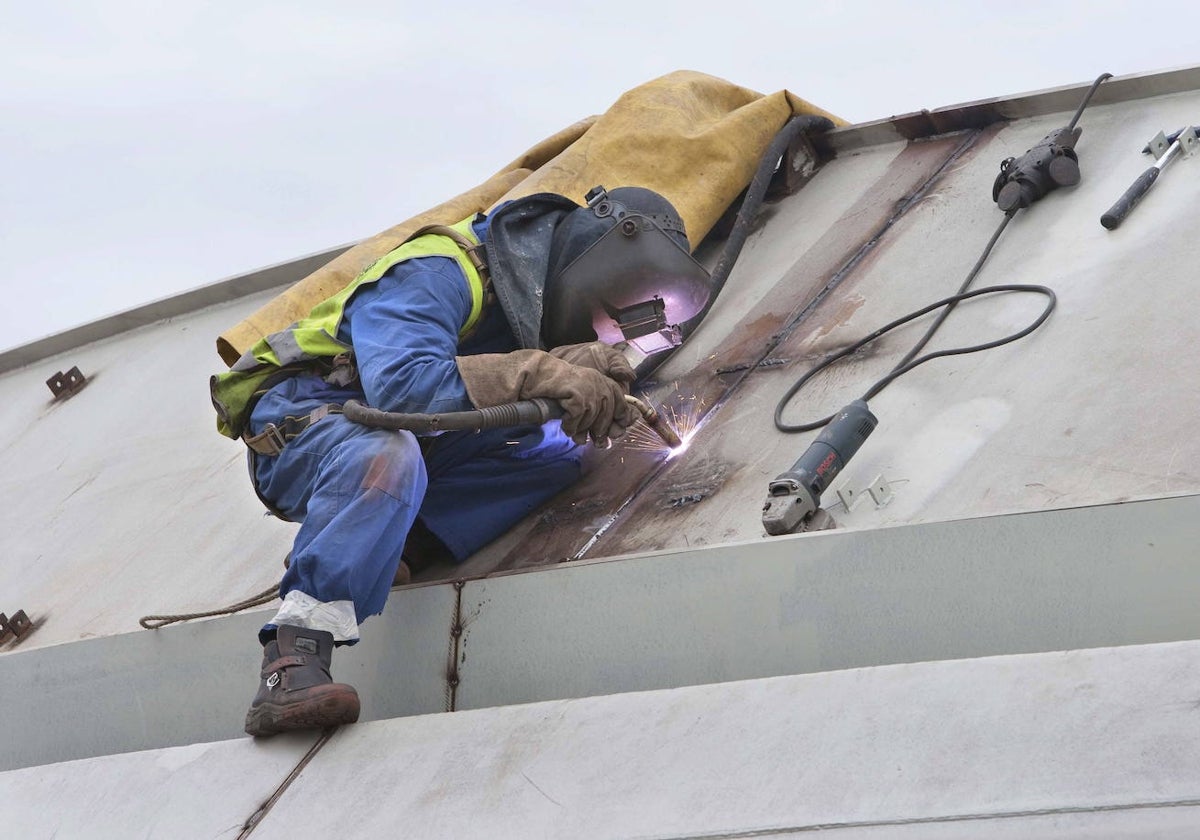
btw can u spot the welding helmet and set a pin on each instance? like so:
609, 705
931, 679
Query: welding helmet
620, 270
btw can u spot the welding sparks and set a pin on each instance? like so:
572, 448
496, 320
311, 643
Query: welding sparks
683, 418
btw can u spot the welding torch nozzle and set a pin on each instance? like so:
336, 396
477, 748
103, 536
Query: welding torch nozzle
655, 421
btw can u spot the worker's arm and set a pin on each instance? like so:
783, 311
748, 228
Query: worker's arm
593, 403
404, 329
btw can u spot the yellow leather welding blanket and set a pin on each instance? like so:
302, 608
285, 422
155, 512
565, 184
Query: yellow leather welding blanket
694, 138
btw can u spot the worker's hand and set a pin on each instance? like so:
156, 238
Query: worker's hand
594, 407
593, 404
598, 356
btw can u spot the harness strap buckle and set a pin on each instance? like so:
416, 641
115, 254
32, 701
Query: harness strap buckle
475, 253
273, 438
269, 442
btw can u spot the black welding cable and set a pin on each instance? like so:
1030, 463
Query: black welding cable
911, 359
900, 370
755, 193
966, 284
1087, 98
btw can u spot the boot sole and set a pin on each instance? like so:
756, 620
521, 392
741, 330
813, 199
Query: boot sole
326, 705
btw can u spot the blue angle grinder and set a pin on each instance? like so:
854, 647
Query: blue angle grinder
794, 497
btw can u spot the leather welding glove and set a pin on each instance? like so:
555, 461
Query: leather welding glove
593, 404
597, 355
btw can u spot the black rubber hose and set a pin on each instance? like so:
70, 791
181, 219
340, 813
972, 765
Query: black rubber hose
526, 412
755, 194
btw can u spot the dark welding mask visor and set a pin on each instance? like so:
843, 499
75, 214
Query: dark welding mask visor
635, 284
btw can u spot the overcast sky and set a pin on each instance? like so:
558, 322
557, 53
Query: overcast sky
152, 147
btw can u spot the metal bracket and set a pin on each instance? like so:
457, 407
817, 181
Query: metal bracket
17, 627
1158, 144
64, 385
879, 490
1188, 142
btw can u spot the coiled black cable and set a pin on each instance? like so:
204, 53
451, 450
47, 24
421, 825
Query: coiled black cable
911, 359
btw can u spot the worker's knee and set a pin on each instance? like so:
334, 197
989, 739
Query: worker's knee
389, 462
395, 466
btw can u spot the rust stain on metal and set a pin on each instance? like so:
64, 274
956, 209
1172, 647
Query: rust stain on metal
839, 317
765, 363
570, 519
851, 245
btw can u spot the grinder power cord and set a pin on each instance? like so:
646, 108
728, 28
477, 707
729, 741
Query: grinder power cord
794, 496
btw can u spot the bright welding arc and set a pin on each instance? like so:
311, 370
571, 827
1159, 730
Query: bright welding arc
682, 420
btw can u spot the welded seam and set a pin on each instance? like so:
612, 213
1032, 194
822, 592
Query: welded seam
612, 518
775, 340
257, 817
456, 631
948, 818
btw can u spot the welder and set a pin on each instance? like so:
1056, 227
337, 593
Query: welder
492, 310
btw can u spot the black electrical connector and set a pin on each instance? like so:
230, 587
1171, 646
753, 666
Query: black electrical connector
1050, 164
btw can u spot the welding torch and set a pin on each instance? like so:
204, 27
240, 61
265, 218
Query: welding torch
525, 412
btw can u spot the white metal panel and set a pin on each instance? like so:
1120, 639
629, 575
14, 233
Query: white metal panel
1123, 574
1088, 577
1058, 745
1170, 822
190, 683
1060, 732
233, 288
194, 792
123, 500
786, 230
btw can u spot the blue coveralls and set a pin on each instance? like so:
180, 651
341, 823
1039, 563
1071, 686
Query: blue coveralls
356, 491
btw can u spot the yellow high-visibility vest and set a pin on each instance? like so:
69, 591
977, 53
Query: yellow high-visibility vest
312, 344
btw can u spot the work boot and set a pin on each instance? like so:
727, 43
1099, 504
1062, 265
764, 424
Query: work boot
297, 691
